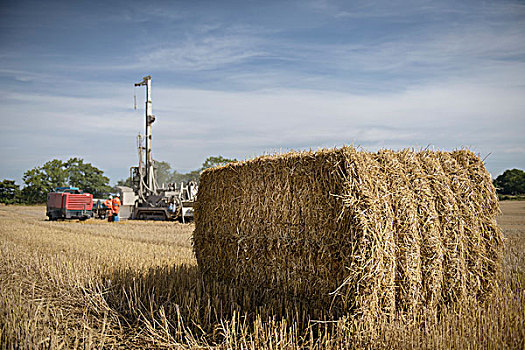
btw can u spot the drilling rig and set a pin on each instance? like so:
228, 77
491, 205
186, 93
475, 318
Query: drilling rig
170, 202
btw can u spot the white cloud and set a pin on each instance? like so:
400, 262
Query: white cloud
450, 116
209, 46
412, 10
207, 54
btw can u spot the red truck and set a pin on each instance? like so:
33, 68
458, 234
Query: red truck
69, 203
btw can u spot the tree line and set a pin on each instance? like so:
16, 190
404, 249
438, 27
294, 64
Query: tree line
55, 173
75, 172
510, 183
165, 174
41, 180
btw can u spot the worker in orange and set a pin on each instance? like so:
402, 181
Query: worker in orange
109, 205
116, 206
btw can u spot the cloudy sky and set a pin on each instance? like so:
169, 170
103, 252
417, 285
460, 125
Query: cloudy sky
245, 78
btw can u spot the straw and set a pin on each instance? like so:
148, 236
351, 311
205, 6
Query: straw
352, 231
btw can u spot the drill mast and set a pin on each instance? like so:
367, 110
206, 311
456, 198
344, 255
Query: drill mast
149, 177
153, 202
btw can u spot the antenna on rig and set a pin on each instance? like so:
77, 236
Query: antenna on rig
135, 97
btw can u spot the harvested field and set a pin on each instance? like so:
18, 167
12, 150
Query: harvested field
136, 285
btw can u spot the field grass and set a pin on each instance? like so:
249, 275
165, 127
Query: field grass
136, 285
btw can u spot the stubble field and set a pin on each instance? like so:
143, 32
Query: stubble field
95, 284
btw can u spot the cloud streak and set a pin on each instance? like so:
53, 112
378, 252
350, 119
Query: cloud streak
203, 54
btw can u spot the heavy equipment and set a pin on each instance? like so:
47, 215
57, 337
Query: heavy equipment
170, 202
100, 211
69, 203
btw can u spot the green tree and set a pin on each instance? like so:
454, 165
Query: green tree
121, 182
511, 182
212, 162
124, 182
163, 172
177, 177
41, 180
9, 192
86, 177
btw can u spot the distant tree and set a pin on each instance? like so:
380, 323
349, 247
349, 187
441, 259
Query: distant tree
124, 182
41, 180
163, 172
56, 173
511, 182
177, 177
121, 182
86, 177
212, 162
9, 192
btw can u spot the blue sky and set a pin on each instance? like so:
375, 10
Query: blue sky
245, 78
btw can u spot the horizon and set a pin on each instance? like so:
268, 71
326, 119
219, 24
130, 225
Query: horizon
113, 182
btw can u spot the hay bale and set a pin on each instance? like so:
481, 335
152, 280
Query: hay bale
354, 230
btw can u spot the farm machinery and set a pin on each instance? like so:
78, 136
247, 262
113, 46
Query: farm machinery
69, 203
152, 202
